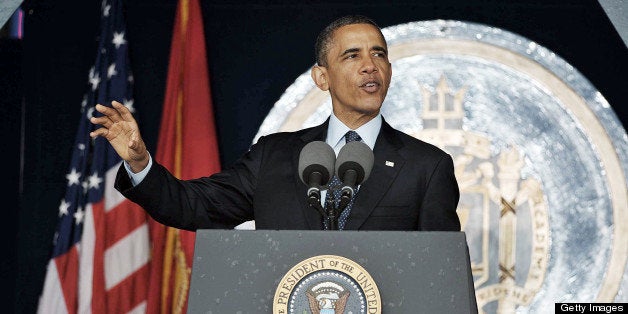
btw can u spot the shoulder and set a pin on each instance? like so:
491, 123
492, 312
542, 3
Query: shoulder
280, 137
416, 147
293, 137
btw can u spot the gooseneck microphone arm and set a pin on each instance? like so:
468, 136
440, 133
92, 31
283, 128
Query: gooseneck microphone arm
315, 182
347, 190
314, 193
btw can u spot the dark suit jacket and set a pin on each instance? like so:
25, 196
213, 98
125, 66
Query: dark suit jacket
418, 192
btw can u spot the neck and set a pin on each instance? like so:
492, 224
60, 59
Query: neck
355, 120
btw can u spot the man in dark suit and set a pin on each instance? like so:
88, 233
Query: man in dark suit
411, 187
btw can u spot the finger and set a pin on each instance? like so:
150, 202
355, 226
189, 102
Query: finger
134, 142
104, 121
123, 110
135, 145
99, 132
112, 113
119, 116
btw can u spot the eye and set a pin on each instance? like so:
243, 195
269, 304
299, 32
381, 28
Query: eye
380, 54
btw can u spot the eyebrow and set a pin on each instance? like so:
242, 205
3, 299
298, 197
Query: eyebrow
350, 50
380, 49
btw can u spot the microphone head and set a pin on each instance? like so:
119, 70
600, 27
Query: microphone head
355, 156
316, 156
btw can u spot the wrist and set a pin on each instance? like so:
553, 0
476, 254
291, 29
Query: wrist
138, 165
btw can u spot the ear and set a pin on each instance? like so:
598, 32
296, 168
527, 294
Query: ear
319, 76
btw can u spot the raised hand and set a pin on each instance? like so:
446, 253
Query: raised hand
121, 130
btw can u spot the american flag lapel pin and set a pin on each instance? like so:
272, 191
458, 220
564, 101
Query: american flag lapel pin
390, 163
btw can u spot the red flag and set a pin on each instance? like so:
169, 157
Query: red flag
101, 253
188, 148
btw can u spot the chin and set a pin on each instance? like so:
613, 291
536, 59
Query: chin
369, 111
372, 105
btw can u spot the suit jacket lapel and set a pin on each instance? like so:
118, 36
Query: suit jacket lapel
312, 216
381, 178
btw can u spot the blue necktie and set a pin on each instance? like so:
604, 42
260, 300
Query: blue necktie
335, 188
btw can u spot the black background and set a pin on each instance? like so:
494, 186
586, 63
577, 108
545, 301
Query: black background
256, 49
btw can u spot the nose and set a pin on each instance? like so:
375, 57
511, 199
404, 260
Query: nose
368, 66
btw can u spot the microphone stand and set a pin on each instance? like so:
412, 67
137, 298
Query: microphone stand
330, 216
333, 212
330, 213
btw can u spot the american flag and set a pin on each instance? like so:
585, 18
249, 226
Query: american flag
101, 248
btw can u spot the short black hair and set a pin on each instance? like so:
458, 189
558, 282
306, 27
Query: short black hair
324, 39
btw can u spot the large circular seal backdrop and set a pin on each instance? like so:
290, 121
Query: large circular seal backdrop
540, 157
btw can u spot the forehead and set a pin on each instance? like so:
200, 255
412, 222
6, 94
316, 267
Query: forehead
357, 34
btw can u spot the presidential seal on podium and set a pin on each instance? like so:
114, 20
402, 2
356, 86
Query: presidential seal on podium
327, 284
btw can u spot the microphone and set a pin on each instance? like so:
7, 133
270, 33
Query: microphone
353, 166
316, 165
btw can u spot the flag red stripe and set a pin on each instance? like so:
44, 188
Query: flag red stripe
121, 220
67, 267
129, 293
98, 280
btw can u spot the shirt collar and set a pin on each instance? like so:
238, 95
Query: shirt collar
337, 130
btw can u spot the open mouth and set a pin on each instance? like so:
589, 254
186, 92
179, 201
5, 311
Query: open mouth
370, 86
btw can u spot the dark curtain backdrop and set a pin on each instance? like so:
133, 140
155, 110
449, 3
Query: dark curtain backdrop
255, 49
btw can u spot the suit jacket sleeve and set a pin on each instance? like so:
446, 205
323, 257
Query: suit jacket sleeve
222, 200
438, 209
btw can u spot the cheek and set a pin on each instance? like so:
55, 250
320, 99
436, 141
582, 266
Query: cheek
344, 86
339, 81
388, 75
